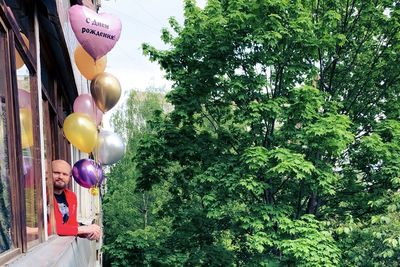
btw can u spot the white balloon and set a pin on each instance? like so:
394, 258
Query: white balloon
110, 148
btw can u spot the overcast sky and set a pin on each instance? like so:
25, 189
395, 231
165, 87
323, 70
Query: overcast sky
142, 21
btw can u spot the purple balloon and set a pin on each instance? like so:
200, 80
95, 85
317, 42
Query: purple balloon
87, 173
97, 33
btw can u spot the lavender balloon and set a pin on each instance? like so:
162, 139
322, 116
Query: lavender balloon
87, 173
97, 33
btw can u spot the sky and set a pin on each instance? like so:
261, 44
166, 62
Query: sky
142, 21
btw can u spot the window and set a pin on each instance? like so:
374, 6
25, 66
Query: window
30, 186
5, 200
21, 212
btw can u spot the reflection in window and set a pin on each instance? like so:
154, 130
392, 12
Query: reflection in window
25, 115
5, 208
19, 62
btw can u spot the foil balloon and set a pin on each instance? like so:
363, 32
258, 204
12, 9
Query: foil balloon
87, 173
84, 104
97, 33
110, 148
87, 66
105, 90
81, 131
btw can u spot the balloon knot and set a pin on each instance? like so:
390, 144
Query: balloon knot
94, 191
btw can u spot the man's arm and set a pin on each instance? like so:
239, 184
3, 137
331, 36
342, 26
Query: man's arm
32, 230
66, 229
91, 232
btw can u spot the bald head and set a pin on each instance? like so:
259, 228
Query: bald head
61, 174
61, 164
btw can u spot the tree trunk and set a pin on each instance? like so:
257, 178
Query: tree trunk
145, 210
312, 206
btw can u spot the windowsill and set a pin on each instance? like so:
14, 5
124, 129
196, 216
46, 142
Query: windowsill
33, 243
9, 255
44, 254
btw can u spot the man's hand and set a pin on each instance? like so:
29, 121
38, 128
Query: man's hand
91, 232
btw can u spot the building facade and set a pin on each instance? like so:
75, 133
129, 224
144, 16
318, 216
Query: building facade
39, 82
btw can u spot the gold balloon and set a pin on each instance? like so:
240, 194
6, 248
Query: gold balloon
25, 117
105, 90
18, 60
87, 66
81, 131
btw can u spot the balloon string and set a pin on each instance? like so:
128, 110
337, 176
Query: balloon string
96, 154
97, 164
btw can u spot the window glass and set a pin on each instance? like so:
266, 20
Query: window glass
25, 115
5, 206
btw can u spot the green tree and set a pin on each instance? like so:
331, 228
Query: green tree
130, 213
283, 145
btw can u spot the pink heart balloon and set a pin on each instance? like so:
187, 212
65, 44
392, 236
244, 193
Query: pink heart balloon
97, 33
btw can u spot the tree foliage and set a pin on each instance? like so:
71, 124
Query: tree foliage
283, 145
128, 211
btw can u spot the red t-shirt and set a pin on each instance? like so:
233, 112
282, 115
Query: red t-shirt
70, 227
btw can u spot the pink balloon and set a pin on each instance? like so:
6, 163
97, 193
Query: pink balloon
97, 33
85, 104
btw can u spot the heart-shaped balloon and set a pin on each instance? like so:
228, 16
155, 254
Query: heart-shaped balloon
97, 33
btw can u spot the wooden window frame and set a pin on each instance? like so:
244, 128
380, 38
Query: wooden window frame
14, 41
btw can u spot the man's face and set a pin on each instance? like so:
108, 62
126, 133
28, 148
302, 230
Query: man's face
61, 174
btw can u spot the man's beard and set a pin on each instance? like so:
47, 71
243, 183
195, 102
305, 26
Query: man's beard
59, 185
